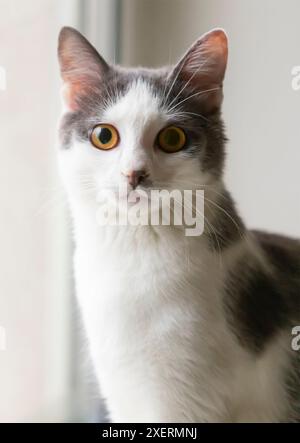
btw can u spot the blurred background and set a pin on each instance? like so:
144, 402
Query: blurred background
45, 374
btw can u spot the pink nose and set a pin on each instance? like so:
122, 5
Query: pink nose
135, 177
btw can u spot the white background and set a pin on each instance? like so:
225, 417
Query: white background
34, 271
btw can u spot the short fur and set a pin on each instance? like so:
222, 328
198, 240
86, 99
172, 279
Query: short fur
181, 329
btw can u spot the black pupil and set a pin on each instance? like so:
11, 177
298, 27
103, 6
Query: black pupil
172, 137
105, 135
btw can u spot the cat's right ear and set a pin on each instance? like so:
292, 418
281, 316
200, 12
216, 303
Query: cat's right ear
82, 68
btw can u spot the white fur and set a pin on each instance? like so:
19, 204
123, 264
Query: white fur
151, 298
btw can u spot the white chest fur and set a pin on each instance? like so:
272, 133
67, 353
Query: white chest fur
153, 319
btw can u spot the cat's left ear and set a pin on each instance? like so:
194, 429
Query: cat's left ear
203, 68
82, 68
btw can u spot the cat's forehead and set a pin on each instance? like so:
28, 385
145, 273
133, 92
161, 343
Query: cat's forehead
139, 103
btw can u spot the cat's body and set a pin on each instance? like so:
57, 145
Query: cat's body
181, 329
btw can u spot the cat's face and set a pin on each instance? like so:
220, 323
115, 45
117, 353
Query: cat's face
144, 128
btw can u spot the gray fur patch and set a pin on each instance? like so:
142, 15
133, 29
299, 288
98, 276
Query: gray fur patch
260, 304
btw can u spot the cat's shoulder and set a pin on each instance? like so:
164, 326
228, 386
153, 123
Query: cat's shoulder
282, 251
262, 294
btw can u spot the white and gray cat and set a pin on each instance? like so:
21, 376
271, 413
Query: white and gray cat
181, 329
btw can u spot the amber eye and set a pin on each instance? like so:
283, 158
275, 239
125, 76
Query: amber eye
104, 137
171, 139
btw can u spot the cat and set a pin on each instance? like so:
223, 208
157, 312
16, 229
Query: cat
180, 328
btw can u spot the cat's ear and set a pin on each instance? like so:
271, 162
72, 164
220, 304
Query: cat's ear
203, 68
82, 68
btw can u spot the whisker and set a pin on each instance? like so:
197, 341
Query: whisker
188, 82
228, 215
211, 229
173, 83
184, 113
191, 96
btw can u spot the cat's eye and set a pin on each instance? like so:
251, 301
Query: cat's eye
171, 139
104, 136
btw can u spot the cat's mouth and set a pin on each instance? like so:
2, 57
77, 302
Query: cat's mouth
138, 196
124, 196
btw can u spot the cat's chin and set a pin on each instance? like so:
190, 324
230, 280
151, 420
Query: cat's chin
135, 200
112, 204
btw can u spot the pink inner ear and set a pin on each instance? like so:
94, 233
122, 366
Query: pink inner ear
77, 85
68, 97
82, 68
69, 92
217, 49
207, 58
203, 68
217, 40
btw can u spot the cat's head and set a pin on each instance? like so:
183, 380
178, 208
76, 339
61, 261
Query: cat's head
149, 128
